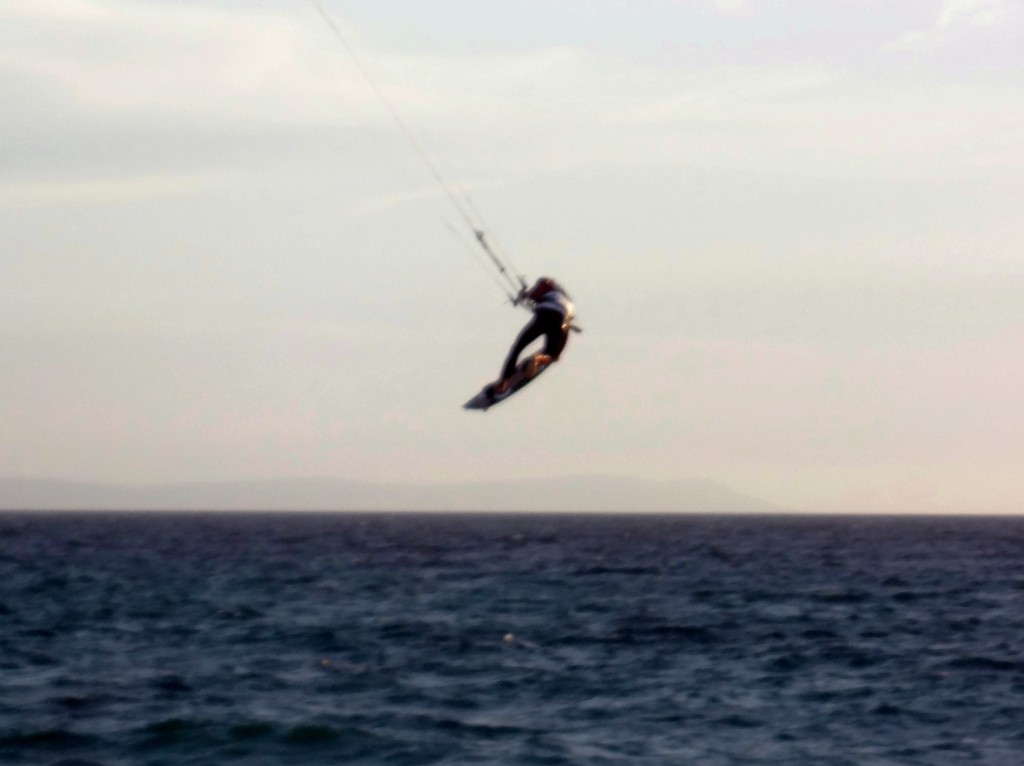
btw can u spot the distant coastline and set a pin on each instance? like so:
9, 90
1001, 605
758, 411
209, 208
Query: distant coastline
573, 493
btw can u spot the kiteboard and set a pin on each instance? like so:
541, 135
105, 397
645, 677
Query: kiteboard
526, 372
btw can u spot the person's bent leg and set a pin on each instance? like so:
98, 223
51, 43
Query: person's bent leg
529, 334
556, 335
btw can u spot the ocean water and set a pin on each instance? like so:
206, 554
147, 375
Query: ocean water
510, 639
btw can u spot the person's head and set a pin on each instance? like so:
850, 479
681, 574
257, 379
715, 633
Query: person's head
542, 287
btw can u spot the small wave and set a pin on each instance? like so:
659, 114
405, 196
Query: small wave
48, 739
239, 613
604, 570
818, 634
79, 702
842, 597
787, 662
311, 734
172, 684
736, 721
343, 741
986, 664
250, 730
887, 709
694, 634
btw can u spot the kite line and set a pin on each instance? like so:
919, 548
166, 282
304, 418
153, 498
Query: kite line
507, 280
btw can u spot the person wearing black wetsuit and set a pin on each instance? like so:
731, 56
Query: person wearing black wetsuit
552, 318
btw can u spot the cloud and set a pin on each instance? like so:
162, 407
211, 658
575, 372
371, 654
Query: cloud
144, 82
123, 57
972, 12
55, 10
25, 196
957, 19
734, 7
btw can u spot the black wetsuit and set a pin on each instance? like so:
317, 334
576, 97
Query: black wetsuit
552, 325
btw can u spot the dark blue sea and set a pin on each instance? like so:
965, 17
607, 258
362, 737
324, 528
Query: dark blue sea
231, 638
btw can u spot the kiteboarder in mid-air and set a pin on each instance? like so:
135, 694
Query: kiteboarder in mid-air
552, 318
552, 308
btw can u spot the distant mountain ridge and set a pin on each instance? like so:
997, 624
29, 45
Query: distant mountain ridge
574, 493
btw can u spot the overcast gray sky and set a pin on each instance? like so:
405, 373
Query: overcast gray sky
793, 232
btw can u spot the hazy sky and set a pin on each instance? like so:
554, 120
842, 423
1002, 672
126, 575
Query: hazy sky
793, 231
